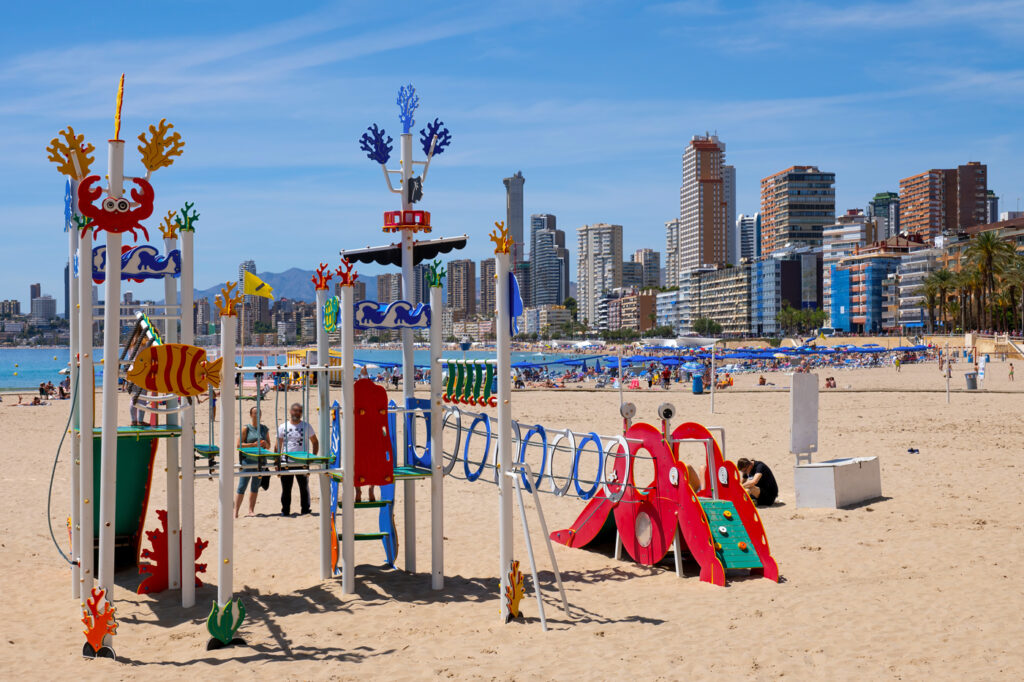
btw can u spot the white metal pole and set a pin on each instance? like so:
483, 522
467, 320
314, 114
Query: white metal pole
436, 444
408, 357
504, 338
348, 442
949, 373
111, 336
712, 378
323, 358
174, 542
188, 434
73, 374
86, 398
226, 479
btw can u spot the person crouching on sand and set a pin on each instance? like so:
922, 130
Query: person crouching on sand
759, 481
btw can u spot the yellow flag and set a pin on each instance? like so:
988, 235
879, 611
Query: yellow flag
254, 286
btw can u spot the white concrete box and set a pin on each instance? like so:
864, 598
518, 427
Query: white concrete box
837, 483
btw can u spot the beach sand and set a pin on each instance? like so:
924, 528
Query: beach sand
924, 583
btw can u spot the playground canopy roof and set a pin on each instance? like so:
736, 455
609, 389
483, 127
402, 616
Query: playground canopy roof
392, 253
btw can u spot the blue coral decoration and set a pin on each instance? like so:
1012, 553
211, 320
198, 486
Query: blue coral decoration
376, 147
69, 220
444, 137
408, 101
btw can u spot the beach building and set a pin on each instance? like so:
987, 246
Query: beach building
514, 214
650, 262
857, 284
946, 200
852, 230
599, 267
747, 234
637, 310
775, 282
796, 205
884, 208
487, 288
703, 208
724, 296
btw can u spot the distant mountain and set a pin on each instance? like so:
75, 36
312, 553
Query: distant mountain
294, 284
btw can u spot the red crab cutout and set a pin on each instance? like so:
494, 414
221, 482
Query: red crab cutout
115, 215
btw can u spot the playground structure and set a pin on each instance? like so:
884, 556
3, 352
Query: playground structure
716, 519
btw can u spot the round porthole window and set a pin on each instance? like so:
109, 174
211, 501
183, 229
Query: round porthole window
644, 530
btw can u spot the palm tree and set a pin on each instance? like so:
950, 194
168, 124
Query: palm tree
930, 292
1013, 280
943, 280
988, 253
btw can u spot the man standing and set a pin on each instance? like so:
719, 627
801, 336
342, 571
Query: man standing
759, 481
292, 436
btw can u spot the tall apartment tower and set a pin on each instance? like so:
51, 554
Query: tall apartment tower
991, 209
488, 288
944, 200
35, 291
462, 288
599, 265
650, 261
420, 283
796, 205
549, 262
748, 236
672, 229
732, 249
885, 210
514, 214
702, 203
248, 301
389, 287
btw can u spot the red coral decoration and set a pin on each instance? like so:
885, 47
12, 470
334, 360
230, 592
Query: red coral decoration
156, 579
346, 274
321, 277
98, 624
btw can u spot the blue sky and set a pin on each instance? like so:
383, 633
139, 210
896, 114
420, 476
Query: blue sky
593, 101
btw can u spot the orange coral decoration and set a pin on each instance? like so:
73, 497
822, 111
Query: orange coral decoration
321, 277
346, 274
98, 624
71, 156
228, 305
169, 228
502, 244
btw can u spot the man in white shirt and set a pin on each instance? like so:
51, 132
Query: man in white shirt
292, 436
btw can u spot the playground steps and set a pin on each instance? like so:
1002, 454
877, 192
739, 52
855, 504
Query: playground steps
732, 543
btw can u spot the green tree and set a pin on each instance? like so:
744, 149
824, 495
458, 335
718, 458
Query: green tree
705, 326
572, 306
988, 253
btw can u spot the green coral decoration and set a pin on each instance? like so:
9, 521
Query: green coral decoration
82, 222
223, 622
436, 274
186, 222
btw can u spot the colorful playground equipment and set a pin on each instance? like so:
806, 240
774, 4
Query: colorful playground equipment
165, 374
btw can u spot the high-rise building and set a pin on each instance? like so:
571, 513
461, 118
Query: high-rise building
462, 288
944, 200
522, 271
796, 205
10, 308
488, 288
67, 292
599, 265
389, 287
702, 203
549, 267
650, 260
34, 291
420, 283
748, 236
885, 210
514, 214
991, 212
850, 233
672, 254
632, 274
249, 305
732, 247
44, 309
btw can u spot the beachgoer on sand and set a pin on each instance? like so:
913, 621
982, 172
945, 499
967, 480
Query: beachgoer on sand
759, 481
291, 437
252, 435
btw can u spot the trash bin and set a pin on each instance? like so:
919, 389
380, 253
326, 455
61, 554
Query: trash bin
987, 358
698, 384
972, 380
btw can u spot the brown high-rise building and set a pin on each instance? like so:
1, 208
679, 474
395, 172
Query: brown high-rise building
462, 287
389, 287
703, 208
944, 200
488, 288
796, 205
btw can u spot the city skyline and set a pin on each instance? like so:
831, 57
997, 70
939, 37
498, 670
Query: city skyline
598, 146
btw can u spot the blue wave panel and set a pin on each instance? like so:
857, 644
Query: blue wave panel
395, 315
138, 263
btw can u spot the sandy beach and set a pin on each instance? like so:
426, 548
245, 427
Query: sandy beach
922, 584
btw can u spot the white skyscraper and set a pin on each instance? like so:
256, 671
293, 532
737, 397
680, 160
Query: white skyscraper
672, 228
729, 189
747, 234
599, 266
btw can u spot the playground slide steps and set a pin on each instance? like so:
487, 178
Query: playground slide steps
732, 542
